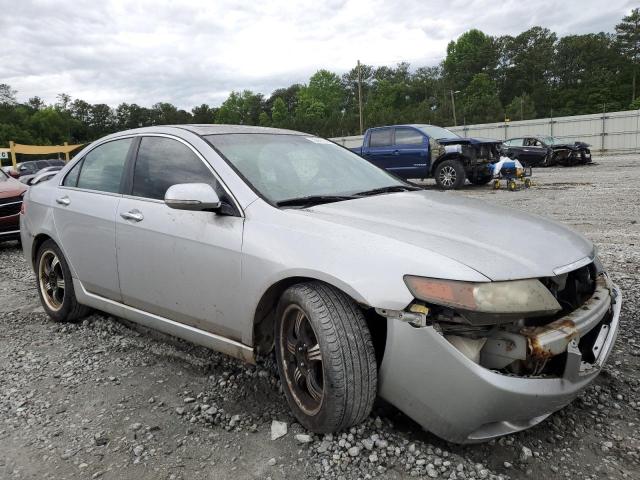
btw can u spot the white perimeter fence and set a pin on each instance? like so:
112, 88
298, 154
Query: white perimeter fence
612, 132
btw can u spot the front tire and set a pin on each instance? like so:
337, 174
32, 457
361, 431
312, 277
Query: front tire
450, 174
325, 357
55, 285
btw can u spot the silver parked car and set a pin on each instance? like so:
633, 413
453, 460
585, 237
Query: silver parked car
474, 320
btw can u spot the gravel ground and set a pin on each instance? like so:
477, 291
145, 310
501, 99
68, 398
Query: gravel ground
98, 399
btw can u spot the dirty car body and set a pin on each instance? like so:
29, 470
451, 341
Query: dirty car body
473, 339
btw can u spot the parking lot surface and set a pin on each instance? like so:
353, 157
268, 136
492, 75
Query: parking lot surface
99, 399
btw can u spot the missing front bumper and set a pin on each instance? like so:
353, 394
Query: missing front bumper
459, 400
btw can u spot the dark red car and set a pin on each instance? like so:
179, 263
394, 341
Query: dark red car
11, 191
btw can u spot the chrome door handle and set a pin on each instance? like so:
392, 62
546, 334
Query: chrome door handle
134, 215
63, 200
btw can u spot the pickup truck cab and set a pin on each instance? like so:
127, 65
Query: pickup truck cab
422, 151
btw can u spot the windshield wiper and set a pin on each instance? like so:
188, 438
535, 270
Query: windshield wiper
390, 189
314, 200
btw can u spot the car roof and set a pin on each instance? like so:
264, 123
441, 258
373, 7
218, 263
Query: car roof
215, 129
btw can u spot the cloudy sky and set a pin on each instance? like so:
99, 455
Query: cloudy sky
193, 52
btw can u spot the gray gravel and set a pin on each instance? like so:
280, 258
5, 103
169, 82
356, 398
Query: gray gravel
99, 399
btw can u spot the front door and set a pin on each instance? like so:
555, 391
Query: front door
178, 264
411, 157
85, 212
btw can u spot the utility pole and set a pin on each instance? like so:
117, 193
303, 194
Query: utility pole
360, 95
453, 105
522, 107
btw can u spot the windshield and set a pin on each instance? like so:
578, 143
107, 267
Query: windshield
437, 132
550, 140
283, 167
3, 176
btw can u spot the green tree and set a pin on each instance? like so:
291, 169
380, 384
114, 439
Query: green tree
480, 100
279, 113
628, 34
241, 108
521, 108
472, 53
7, 94
203, 114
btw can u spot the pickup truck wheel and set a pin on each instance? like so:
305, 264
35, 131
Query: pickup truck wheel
325, 357
450, 174
55, 285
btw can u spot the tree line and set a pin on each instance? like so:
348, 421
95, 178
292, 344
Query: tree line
488, 79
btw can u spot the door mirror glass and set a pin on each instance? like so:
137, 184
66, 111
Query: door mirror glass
192, 196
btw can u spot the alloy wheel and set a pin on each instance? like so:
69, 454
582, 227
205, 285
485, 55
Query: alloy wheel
302, 360
448, 176
51, 280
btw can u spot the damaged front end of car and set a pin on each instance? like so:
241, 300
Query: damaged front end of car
523, 348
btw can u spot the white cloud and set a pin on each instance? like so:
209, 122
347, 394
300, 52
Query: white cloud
192, 52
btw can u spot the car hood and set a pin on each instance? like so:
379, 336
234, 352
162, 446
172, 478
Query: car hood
498, 242
11, 188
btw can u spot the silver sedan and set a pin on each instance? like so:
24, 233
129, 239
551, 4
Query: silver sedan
474, 320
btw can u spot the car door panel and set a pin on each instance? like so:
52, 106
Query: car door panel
180, 265
410, 151
85, 222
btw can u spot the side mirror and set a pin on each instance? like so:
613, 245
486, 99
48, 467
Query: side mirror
192, 196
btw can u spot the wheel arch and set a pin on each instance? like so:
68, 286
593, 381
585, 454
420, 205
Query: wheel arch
36, 244
449, 156
264, 316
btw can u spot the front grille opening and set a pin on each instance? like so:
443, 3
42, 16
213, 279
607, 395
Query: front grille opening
572, 289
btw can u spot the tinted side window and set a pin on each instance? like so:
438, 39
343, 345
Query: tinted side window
163, 162
71, 180
380, 138
103, 166
408, 136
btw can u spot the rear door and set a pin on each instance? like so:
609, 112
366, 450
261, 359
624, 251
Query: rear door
85, 211
180, 265
410, 153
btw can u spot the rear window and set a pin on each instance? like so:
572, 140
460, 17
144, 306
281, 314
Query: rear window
380, 138
103, 166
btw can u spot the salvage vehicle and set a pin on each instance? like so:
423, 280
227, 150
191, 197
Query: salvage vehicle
248, 240
11, 191
546, 151
421, 151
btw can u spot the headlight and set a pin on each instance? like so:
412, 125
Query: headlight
516, 298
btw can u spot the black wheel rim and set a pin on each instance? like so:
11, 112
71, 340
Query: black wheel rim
51, 280
301, 360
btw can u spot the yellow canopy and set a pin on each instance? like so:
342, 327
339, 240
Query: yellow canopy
43, 150
15, 148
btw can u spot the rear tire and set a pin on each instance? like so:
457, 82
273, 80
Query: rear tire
55, 285
325, 357
450, 174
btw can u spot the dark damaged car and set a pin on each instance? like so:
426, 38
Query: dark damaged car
546, 151
422, 151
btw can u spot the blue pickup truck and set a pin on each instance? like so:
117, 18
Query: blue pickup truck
421, 151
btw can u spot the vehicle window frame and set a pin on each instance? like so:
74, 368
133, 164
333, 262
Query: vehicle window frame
384, 129
408, 129
130, 169
81, 162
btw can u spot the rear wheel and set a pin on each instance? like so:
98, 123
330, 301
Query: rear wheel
450, 174
55, 285
325, 357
